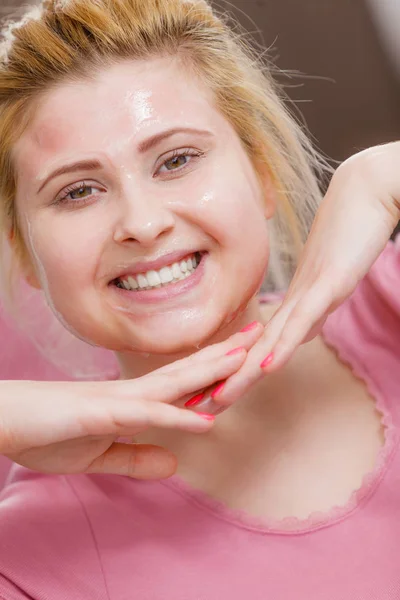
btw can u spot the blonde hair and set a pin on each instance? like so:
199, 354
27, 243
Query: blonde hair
63, 40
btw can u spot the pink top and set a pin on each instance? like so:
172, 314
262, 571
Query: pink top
101, 537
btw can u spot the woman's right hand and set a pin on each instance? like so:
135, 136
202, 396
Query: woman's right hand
72, 427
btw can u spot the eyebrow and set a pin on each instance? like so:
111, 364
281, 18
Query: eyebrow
83, 165
146, 145
143, 147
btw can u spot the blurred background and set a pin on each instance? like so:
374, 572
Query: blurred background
348, 52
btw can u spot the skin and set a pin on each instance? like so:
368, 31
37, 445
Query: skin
215, 204
139, 213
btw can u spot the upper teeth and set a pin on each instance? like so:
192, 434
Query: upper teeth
157, 279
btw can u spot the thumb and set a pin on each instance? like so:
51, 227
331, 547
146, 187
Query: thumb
139, 461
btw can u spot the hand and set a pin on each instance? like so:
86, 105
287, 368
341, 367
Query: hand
73, 427
351, 228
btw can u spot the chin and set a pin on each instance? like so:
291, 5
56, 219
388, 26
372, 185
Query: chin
176, 344
176, 337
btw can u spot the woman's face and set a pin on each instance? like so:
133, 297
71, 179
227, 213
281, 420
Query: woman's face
127, 182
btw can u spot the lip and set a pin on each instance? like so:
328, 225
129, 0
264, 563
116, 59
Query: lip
154, 265
164, 293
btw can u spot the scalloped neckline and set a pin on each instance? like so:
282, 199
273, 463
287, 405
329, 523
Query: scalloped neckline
317, 519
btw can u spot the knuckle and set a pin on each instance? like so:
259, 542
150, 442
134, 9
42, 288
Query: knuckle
175, 382
133, 462
162, 384
158, 415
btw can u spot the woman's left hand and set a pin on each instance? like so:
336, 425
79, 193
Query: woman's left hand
352, 226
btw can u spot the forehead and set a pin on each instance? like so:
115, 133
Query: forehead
128, 100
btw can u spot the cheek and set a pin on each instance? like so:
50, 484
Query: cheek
66, 265
234, 217
65, 256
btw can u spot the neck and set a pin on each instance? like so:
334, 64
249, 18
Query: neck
259, 422
136, 364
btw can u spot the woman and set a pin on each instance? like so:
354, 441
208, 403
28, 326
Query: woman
184, 177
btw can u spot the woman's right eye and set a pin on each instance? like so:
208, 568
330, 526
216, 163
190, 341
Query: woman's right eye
77, 194
80, 192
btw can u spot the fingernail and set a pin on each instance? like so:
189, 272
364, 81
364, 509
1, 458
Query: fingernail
249, 327
206, 417
235, 351
267, 361
218, 390
195, 400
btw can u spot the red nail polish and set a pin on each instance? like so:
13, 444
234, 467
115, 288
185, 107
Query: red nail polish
235, 351
267, 361
249, 327
218, 390
206, 417
195, 400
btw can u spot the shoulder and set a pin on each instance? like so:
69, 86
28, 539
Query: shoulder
372, 313
46, 542
365, 329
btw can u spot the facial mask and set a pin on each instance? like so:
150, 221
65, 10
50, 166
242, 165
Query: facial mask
145, 212
47, 329
45, 285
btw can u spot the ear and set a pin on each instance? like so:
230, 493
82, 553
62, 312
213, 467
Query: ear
24, 262
32, 279
29, 272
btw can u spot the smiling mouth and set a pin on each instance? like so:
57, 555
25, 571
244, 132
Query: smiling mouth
164, 277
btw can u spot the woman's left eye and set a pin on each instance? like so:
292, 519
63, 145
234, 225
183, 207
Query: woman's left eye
179, 160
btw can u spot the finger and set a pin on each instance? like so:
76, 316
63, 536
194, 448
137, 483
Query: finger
245, 339
139, 461
315, 330
216, 398
124, 418
302, 323
284, 333
204, 403
174, 385
250, 372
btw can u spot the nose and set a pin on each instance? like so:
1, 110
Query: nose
143, 219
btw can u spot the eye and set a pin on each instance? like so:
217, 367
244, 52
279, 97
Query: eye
179, 160
82, 192
175, 163
77, 194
